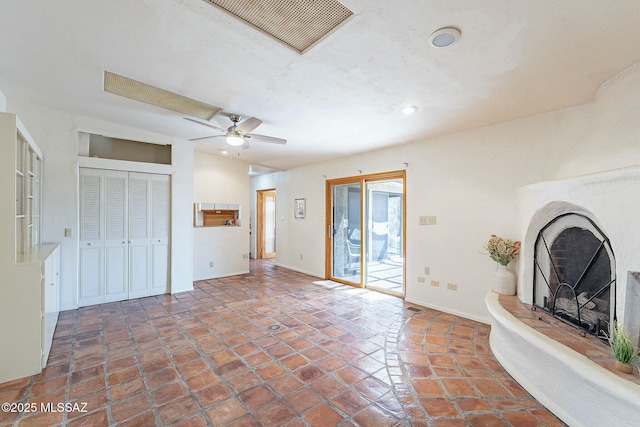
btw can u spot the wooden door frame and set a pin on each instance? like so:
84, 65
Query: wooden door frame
363, 179
260, 240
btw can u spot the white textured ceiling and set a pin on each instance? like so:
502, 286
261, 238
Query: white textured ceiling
515, 58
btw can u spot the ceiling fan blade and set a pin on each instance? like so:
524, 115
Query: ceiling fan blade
206, 124
208, 137
248, 125
264, 138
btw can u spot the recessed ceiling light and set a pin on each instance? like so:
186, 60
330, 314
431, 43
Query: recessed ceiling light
444, 37
409, 109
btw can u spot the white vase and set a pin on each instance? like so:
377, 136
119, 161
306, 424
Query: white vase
505, 281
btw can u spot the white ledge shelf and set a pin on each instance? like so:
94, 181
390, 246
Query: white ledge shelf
574, 388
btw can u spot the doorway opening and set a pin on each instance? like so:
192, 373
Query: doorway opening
266, 224
366, 232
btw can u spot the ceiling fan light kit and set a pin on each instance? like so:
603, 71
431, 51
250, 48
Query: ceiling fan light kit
238, 134
234, 139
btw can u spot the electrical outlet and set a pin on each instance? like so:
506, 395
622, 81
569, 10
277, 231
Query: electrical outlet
210, 264
435, 283
426, 271
452, 286
420, 279
245, 256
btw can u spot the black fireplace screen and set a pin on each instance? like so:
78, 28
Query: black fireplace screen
574, 276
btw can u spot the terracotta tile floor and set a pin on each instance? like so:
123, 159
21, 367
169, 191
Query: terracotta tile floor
272, 348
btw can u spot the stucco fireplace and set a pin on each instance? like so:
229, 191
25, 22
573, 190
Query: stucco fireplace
579, 260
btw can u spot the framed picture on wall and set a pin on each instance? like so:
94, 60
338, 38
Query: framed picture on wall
300, 208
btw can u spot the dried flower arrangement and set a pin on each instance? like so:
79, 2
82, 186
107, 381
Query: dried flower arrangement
502, 250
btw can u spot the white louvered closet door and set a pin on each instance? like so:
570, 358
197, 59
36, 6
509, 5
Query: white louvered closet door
124, 235
91, 237
159, 234
139, 235
116, 236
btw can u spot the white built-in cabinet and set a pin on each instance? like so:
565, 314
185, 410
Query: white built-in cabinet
29, 270
124, 235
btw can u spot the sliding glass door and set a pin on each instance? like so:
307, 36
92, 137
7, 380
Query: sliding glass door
365, 239
346, 232
384, 266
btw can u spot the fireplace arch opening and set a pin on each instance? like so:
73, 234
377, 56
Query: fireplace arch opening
574, 273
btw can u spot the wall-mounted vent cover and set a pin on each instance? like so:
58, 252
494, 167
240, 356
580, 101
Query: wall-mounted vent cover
299, 24
133, 89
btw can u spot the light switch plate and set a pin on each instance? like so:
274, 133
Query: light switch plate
428, 220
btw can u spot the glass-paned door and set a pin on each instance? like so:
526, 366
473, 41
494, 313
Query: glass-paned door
384, 224
345, 232
365, 245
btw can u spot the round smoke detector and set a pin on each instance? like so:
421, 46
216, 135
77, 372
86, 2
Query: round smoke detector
444, 37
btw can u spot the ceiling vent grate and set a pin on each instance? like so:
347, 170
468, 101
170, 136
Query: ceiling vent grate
133, 89
299, 24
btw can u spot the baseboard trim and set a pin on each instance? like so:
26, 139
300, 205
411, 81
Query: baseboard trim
485, 320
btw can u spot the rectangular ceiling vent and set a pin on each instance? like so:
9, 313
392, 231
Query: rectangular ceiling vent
133, 89
299, 24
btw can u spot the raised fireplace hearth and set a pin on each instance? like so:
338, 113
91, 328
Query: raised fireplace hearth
571, 376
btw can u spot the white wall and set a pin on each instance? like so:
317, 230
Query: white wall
218, 179
56, 132
467, 180
612, 138
3, 102
181, 198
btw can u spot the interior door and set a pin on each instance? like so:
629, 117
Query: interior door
139, 235
116, 236
160, 209
124, 235
266, 239
91, 274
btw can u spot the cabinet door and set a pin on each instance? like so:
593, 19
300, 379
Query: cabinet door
50, 301
91, 237
116, 236
160, 200
139, 235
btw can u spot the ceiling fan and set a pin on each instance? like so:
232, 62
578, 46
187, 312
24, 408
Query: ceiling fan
238, 134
